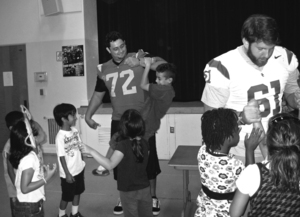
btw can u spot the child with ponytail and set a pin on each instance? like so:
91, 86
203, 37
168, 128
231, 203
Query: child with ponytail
273, 185
131, 157
31, 174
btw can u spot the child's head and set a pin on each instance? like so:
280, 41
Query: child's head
132, 126
12, 118
65, 114
165, 74
18, 147
219, 127
283, 142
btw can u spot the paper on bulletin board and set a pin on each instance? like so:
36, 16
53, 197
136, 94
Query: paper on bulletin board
7, 79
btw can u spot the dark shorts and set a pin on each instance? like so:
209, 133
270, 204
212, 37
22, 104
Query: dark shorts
69, 190
22, 209
153, 168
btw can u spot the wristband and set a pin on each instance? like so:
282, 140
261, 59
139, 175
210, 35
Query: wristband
44, 180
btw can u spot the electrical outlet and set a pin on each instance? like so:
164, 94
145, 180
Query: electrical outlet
172, 129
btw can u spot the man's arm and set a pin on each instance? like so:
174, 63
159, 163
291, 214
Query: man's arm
293, 99
94, 104
207, 107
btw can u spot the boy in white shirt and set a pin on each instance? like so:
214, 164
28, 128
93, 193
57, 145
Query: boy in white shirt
71, 164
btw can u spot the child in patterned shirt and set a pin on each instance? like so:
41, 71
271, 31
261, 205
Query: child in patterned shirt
218, 168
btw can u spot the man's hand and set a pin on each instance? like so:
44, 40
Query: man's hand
92, 124
132, 61
251, 112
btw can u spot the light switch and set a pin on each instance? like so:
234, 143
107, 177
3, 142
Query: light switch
40, 76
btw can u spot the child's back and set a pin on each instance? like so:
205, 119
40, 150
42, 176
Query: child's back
218, 168
161, 95
269, 201
218, 173
273, 185
134, 178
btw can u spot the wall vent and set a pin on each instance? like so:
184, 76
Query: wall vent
53, 129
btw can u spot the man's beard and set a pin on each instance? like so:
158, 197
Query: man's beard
256, 61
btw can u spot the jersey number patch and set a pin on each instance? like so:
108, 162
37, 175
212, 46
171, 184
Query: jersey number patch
125, 87
265, 90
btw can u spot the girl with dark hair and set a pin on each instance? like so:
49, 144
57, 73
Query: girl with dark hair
218, 168
131, 157
273, 185
31, 174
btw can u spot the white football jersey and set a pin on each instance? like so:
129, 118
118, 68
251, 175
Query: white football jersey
232, 81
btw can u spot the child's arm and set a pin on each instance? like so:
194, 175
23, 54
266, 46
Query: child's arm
262, 144
239, 204
26, 179
69, 177
108, 164
155, 61
10, 169
144, 81
251, 144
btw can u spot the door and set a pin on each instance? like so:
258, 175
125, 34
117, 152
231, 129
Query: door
12, 59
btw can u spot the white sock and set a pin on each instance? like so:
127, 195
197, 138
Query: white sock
101, 168
61, 212
74, 209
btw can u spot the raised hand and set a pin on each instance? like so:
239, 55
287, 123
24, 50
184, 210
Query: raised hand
49, 172
252, 141
148, 61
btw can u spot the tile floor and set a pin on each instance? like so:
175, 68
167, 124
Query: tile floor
101, 193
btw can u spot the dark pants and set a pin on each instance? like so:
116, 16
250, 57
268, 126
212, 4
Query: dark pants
137, 203
21, 209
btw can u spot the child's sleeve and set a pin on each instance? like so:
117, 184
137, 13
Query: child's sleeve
27, 162
248, 181
60, 146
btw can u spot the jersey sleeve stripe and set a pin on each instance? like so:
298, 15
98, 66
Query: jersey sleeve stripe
289, 55
220, 67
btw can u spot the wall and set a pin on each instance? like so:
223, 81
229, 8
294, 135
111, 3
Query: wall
23, 22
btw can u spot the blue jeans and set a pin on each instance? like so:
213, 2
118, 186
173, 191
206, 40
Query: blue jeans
22, 209
137, 203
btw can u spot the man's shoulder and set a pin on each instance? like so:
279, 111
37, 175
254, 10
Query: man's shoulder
225, 59
285, 57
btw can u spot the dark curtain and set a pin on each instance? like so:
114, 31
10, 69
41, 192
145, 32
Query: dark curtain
189, 33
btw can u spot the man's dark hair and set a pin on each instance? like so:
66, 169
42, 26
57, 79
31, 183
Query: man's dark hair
260, 27
13, 117
113, 36
63, 111
168, 69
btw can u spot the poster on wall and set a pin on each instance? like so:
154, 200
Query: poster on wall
73, 64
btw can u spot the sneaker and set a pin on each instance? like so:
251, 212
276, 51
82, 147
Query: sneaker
78, 214
97, 172
155, 206
118, 210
